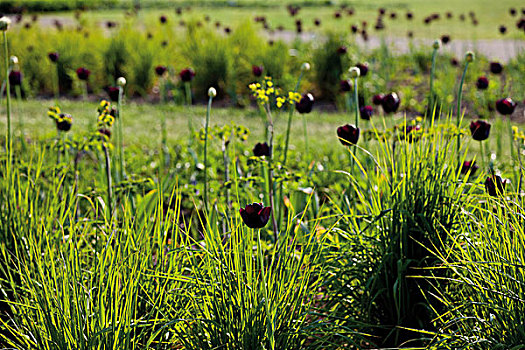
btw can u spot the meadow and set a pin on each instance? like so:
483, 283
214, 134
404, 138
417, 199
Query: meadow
167, 182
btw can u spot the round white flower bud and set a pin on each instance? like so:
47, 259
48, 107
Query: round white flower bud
305, 67
212, 92
354, 72
121, 81
5, 22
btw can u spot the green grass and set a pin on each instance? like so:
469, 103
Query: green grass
490, 17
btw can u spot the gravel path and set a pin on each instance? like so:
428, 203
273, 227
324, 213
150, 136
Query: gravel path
501, 50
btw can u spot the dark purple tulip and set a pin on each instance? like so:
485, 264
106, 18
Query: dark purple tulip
435, 16
160, 70
187, 74
53, 56
345, 85
354, 29
505, 106
366, 112
64, 122
178, 10
496, 68
337, 15
350, 12
390, 103
317, 22
348, 134
410, 15
261, 149
462, 17
454, 61
521, 24
83, 73
382, 11
378, 99
482, 83
427, 20
495, 185
111, 24
502, 29
15, 78
469, 166
257, 71
163, 19
217, 24
512, 11
445, 39
410, 130
363, 69
379, 24
480, 130
255, 215
341, 50
449, 15
306, 104
227, 30
410, 34
113, 93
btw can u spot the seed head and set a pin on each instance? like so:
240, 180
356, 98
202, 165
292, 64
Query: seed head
14, 60
436, 44
354, 72
121, 81
469, 56
5, 22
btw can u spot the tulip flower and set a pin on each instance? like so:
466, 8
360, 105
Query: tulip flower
366, 112
187, 75
390, 103
496, 68
160, 70
495, 185
255, 215
482, 83
53, 56
377, 100
505, 106
83, 73
348, 134
469, 166
15, 78
363, 69
261, 149
257, 71
345, 85
480, 130
306, 104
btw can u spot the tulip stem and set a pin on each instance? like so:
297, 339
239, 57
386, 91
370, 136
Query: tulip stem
305, 135
270, 325
458, 111
512, 156
482, 155
290, 114
56, 84
270, 173
8, 102
432, 70
208, 110
108, 179
85, 90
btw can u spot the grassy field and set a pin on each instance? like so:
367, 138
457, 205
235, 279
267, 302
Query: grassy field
490, 17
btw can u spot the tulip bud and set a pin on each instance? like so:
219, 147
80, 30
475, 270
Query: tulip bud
5, 22
14, 60
436, 44
212, 92
305, 67
469, 56
354, 72
121, 81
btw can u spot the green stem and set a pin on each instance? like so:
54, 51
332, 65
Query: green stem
270, 325
120, 136
108, 180
431, 95
270, 173
512, 151
356, 102
8, 101
482, 155
208, 110
305, 135
290, 114
187, 89
85, 91
458, 111
56, 85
